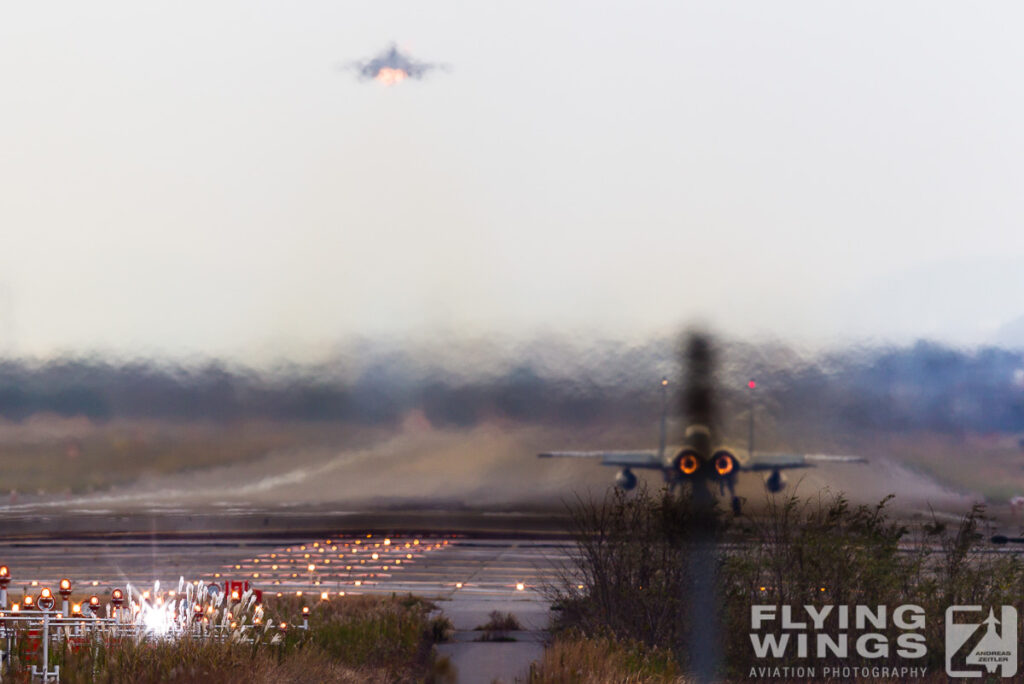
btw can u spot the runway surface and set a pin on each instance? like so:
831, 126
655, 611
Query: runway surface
432, 566
466, 577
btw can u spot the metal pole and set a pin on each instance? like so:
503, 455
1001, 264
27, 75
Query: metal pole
46, 646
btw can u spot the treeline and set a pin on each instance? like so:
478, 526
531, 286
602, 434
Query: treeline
924, 386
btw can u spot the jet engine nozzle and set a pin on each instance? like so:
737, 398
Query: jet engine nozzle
776, 482
687, 462
625, 479
723, 464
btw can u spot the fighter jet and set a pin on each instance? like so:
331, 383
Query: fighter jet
703, 459
392, 66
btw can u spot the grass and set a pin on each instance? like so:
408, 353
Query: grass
498, 626
630, 590
576, 658
350, 639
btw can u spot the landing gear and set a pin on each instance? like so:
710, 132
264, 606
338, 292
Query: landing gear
736, 504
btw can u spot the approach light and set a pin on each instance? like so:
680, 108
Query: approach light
15, 608
458, 585
311, 567
305, 610
28, 603
520, 586
752, 384
65, 587
235, 595
117, 598
324, 596
76, 609
724, 465
45, 600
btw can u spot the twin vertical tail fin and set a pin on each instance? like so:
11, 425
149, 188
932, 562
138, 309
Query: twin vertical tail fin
664, 419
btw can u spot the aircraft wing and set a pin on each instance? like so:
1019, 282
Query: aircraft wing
621, 459
769, 461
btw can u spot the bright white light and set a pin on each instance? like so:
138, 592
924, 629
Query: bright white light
156, 620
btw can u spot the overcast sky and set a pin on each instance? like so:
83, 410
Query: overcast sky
206, 178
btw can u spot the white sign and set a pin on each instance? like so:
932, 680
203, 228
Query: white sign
996, 649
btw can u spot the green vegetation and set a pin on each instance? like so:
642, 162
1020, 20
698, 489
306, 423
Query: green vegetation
630, 593
350, 639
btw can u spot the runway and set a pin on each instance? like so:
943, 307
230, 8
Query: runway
467, 577
431, 566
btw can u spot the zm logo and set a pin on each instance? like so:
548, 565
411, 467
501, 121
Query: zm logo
996, 647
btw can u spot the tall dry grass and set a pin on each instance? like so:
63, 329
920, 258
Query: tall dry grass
631, 582
350, 639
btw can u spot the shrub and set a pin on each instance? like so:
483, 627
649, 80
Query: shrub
632, 579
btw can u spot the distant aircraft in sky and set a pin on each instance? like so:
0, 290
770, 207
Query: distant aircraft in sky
393, 66
703, 459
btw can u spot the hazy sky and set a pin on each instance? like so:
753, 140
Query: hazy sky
186, 177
